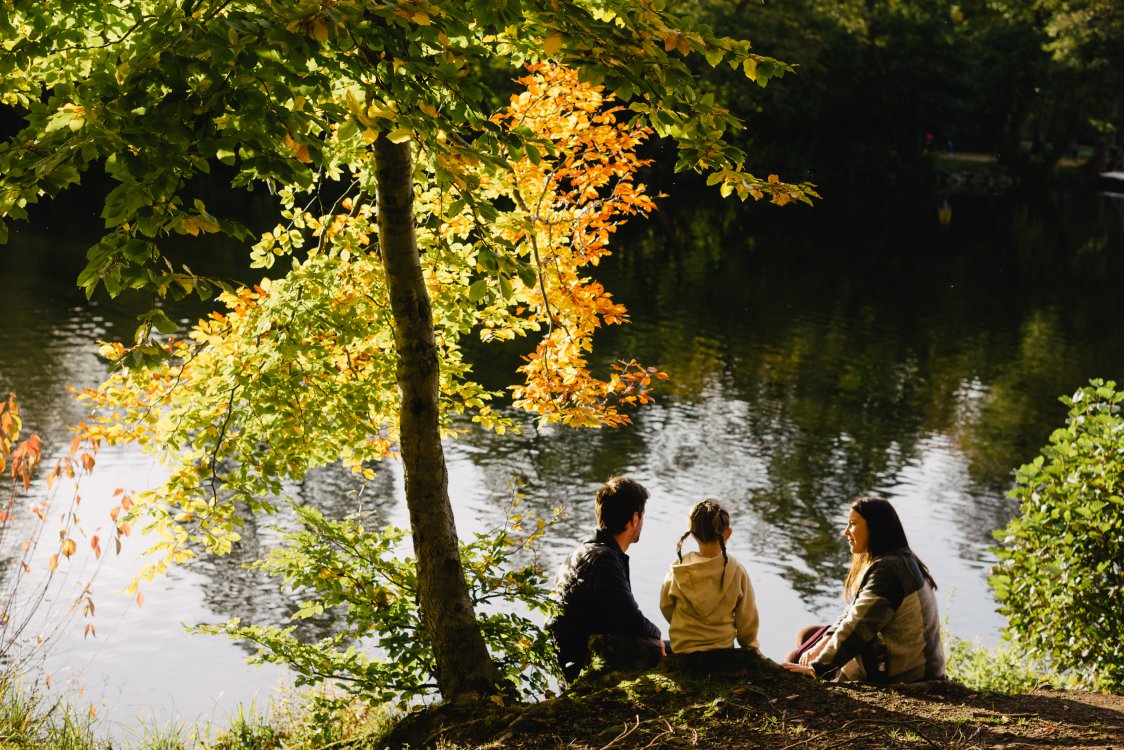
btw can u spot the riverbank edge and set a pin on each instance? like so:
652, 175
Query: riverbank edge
734, 700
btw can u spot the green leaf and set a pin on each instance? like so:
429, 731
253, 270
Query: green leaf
487, 259
528, 275
478, 290
136, 250
162, 322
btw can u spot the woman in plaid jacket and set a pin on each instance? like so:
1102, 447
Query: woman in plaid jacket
890, 631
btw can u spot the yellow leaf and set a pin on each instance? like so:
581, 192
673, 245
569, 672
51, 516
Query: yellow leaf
421, 19
319, 30
68, 547
552, 43
749, 67
53, 563
726, 189
401, 135
774, 179
378, 109
352, 101
300, 151
428, 109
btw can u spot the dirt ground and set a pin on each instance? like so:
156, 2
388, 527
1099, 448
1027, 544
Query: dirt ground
747, 704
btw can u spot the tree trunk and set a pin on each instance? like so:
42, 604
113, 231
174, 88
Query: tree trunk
464, 668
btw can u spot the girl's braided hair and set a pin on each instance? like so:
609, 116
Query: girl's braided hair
708, 523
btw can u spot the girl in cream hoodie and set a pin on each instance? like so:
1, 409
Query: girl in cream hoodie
707, 596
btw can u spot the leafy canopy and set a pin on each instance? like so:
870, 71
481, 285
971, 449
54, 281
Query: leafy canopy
299, 371
284, 93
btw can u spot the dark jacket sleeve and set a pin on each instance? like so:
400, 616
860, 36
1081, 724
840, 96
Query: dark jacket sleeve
611, 598
880, 595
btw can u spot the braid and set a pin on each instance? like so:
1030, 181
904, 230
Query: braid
679, 546
722, 544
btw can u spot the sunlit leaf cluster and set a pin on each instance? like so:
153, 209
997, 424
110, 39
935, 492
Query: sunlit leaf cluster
299, 371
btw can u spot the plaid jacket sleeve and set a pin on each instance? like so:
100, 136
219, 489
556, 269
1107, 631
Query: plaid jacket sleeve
880, 595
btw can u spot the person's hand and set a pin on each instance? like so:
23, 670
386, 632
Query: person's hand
803, 669
663, 646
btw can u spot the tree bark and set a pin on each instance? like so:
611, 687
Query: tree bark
464, 668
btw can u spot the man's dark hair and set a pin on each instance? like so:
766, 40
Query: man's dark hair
617, 501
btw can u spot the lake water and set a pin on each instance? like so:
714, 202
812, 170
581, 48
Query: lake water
814, 354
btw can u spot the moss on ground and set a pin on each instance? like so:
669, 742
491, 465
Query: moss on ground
734, 700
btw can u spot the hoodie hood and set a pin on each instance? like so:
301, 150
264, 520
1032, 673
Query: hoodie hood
699, 581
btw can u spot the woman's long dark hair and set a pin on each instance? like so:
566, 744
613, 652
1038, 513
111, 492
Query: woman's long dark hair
885, 536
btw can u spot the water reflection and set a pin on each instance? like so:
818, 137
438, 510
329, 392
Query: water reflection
232, 588
817, 356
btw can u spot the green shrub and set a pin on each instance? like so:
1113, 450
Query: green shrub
379, 651
1060, 576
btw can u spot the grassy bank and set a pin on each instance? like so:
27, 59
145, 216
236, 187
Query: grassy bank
725, 701
30, 720
732, 702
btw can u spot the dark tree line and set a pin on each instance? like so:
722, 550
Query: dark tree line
883, 85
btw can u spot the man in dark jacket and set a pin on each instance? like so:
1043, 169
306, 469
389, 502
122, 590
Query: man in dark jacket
593, 590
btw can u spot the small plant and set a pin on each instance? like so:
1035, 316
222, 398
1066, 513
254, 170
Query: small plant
33, 606
1060, 576
1002, 669
322, 718
361, 575
248, 731
28, 720
175, 735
